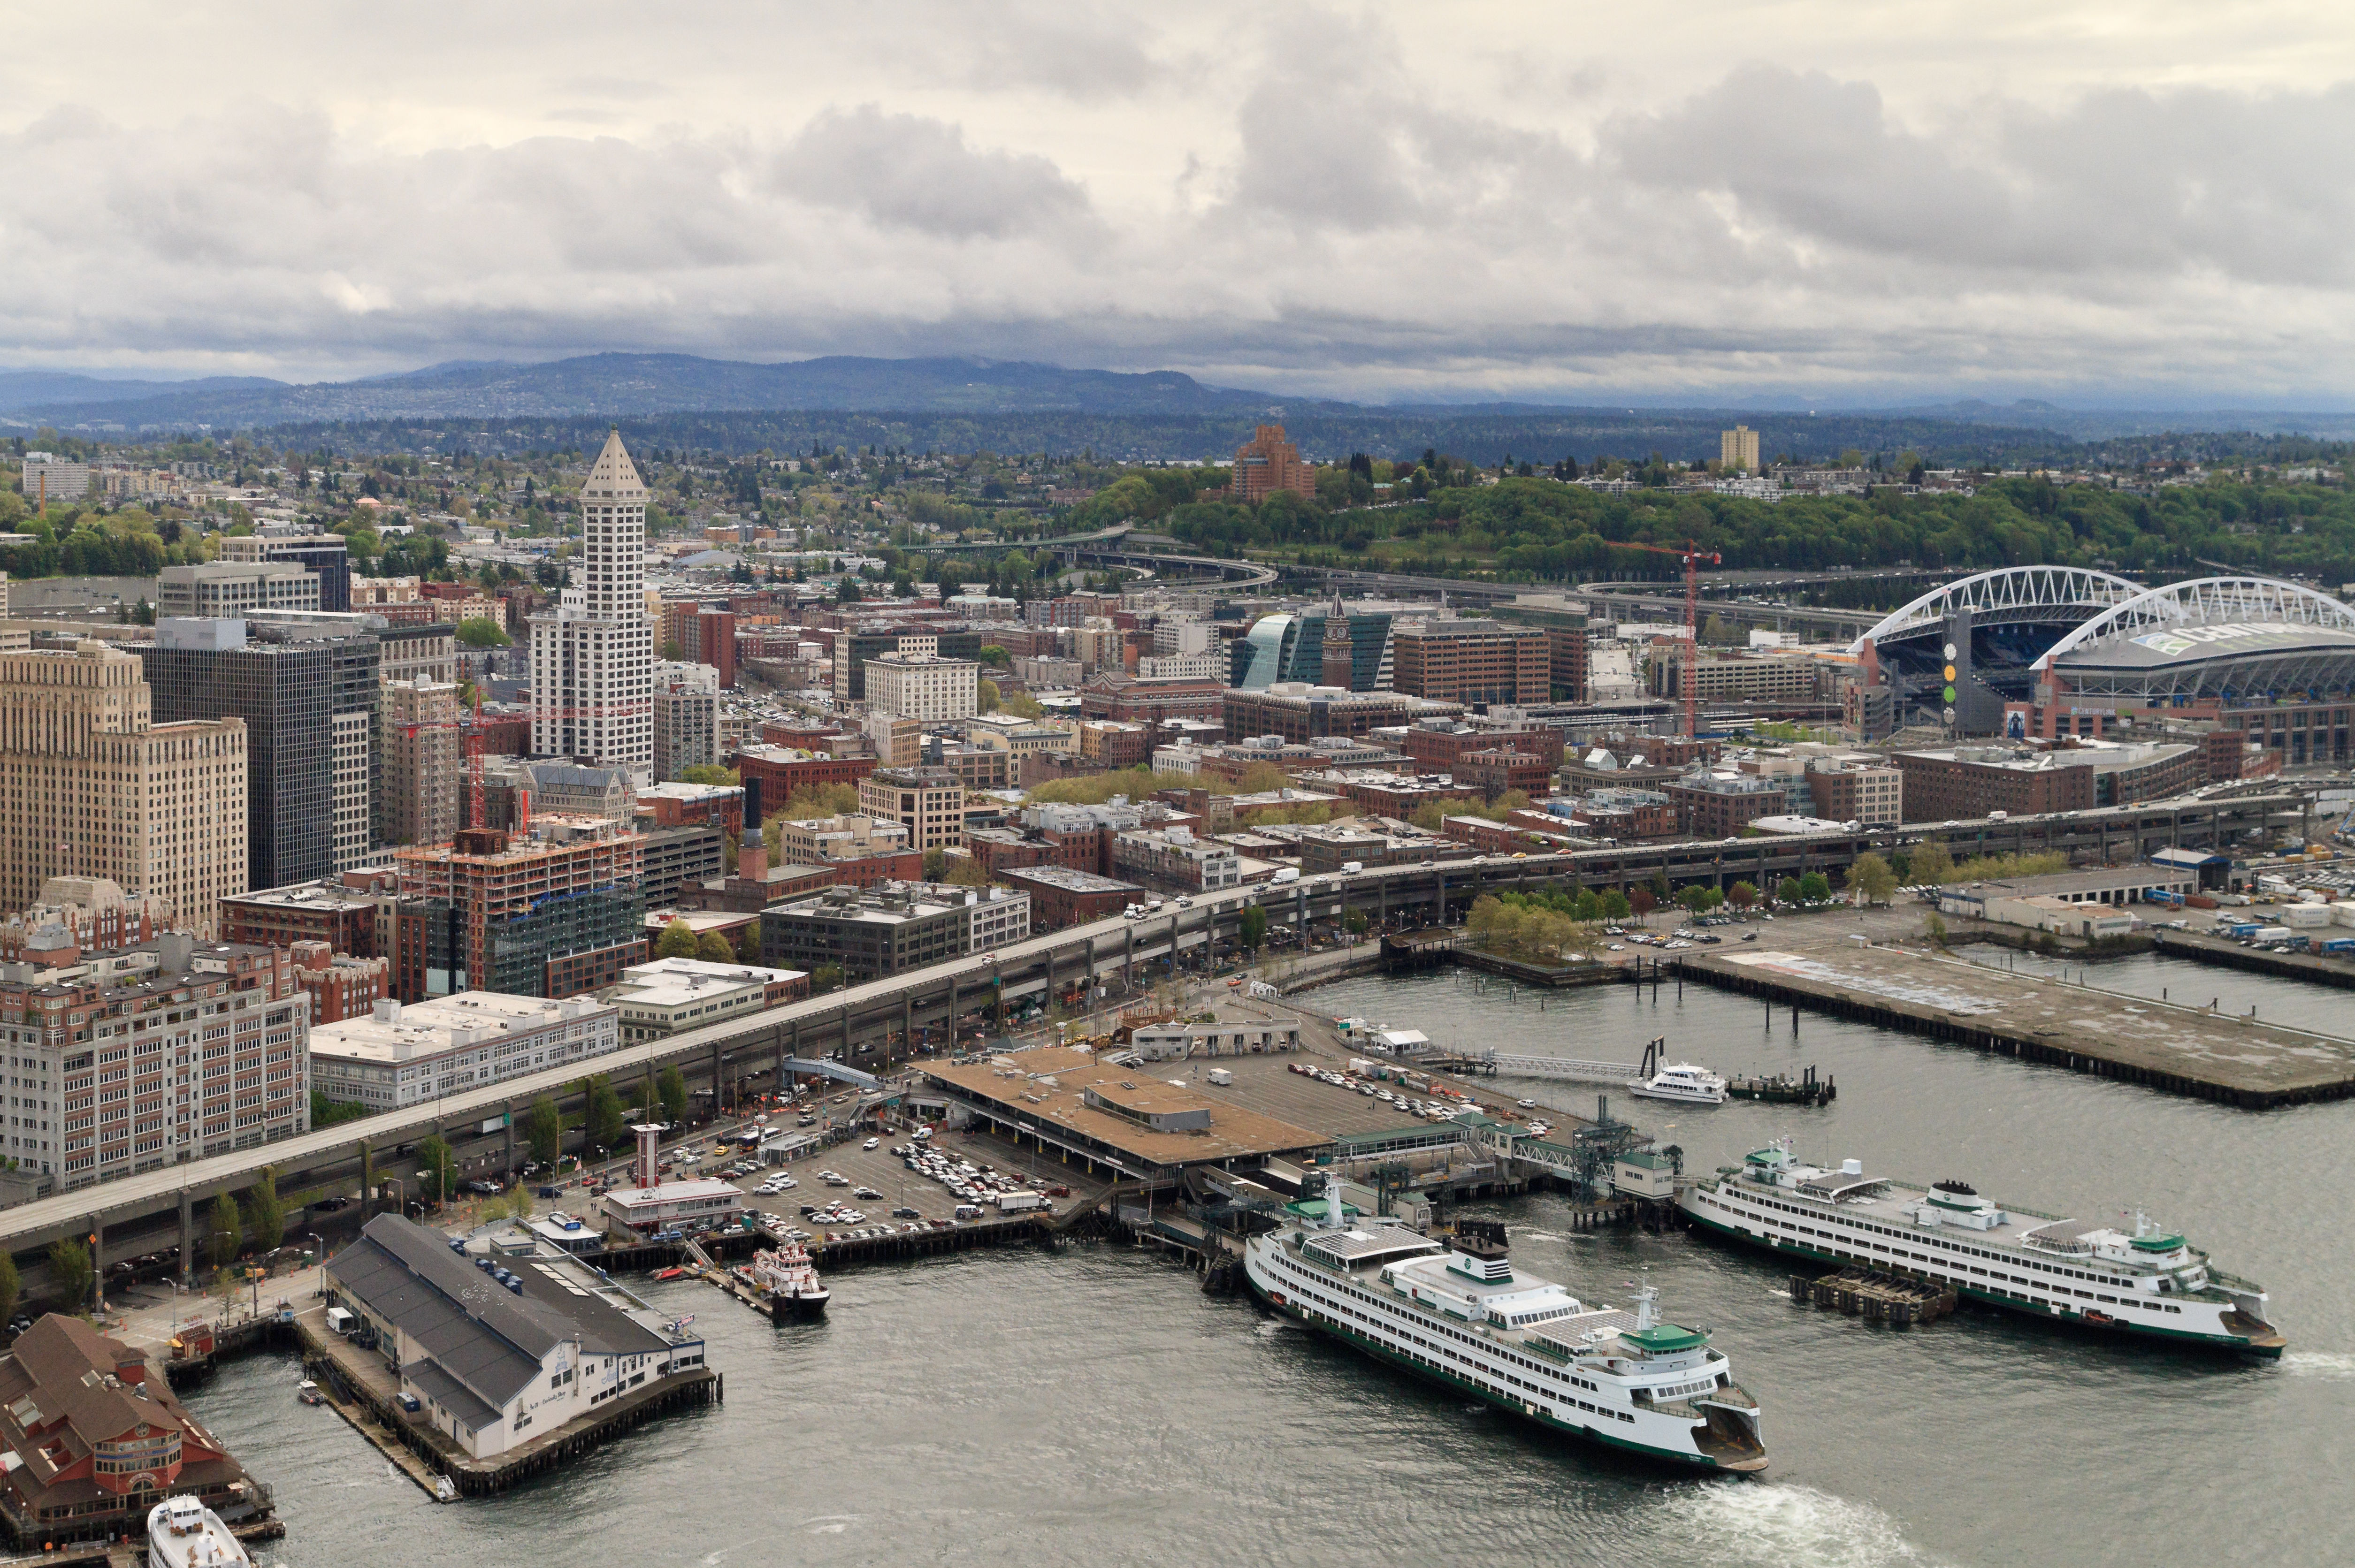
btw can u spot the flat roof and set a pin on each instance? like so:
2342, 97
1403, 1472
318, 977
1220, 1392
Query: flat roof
1069, 879
2095, 879
1047, 1086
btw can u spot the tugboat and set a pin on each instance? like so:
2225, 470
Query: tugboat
182, 1532
787, 1280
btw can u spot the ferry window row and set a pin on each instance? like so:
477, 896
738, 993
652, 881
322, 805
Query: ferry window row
1953, 1246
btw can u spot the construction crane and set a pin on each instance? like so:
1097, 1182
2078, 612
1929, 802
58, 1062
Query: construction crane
1691, 553
471, 737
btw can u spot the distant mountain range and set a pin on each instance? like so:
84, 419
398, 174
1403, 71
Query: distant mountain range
1013, 404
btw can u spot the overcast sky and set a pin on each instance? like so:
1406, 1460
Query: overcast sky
2109, 202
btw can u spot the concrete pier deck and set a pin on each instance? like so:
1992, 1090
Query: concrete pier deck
2183, 1050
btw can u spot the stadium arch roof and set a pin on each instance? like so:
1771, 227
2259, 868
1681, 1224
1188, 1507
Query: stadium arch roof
2013, 593
2237, 637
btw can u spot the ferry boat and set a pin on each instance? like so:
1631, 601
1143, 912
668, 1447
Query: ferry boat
1681, 1081
1460, 1314
182, 1532
786, 1277
2147, 1280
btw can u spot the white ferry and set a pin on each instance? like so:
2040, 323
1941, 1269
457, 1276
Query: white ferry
182, 1532
1681, 1081
2143, 1281
1460, 1315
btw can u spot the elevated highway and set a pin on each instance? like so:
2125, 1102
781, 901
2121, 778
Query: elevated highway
869, 1026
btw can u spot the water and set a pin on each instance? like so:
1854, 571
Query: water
1093, 1407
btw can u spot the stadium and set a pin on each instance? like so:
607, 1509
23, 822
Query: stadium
2050, 651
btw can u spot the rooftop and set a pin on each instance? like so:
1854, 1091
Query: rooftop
1051, 1085
398, 1033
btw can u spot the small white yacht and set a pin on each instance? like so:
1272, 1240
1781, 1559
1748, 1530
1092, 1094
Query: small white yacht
1682, 1081
182, 1532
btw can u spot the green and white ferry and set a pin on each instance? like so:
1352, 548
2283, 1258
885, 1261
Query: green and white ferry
1460, 1314
2144, 1280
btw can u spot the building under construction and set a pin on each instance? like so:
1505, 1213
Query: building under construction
554, 912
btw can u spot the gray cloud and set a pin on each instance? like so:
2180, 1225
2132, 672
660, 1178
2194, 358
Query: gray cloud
1325, 214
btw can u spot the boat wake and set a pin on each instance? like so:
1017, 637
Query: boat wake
829, 1524
2319, 1364
1775, 1524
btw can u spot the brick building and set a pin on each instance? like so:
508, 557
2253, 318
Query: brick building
783, 770
1496, 769
1269, 463
1472, 662
1150, 702
1301, 713
1971, 781
341, 986
1060, 896
1717, 806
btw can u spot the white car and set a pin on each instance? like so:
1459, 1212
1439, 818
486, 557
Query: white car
873, 1143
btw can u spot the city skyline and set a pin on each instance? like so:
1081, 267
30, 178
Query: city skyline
1706, 204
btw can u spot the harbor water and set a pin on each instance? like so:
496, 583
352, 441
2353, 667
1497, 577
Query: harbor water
1093, 1407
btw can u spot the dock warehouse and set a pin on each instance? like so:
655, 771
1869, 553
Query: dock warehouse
2095, 885
1227, 1037
500, 1348
1121, 1121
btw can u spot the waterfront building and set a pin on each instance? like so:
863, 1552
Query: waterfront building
93, 786
397, 1054
870, 933
669, 995
494, 1365
592, 656
1174, 857
96, 1438
1060, 896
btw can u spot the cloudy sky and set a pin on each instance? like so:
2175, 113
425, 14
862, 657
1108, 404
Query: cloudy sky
1705, 199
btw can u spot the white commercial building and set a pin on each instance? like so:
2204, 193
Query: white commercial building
592, 659
922, 686
402, 1055
669, 995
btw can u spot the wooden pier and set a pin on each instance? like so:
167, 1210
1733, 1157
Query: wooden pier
1875, 1296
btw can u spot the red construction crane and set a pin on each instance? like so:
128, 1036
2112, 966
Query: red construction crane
1692, 556
471, 738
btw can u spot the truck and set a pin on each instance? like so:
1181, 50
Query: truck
1221, 1077
1286, 874
1020, 1202
1351, 867
341, 1319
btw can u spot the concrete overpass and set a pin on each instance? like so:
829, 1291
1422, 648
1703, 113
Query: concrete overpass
857, 1028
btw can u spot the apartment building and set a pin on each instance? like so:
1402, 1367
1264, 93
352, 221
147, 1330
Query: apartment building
419, 745
551, 913
1174, 857
91, 786
139, 1058
1858, 794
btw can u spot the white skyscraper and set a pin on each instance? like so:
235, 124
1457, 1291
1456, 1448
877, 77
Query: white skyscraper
592, 660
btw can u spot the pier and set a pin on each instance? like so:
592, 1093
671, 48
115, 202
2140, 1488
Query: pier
2236, 1060
2313, 968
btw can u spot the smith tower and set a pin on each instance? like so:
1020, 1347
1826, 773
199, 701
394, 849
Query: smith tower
592, 660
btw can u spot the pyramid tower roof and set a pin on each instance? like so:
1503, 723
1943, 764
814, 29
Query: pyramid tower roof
613, 476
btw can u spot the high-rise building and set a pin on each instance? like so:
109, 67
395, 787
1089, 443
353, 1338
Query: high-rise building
1474, 661
554, 913
325, 556
687, 718
592, 657
91, 786
922, 686
928, 801
705, 634
1738, 448
309, 706
1268, 464
419, 743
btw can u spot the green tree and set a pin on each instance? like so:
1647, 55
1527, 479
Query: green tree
1788, 890
1587, 905
936, 865
1694, 899
227, 1229
1614, 906
966, 872
987, 696
672, 1088
607, 1125
713, 948
995, 656
1936, 928
1931, 864
1660, 889
543, 1128
1815, 887
265, 1216
713, 774
671, 652
677, 941
824, 978
1253, 927
1872, 878
474, 632
1356, 921
71, 1271
434, 1154
10, 1286
748, 946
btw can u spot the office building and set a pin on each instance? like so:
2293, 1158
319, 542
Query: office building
551, 913
1267, 464
310, 713
784, 771
1858, 794
491, 1368
1472, 661
1060, 896
1738, 448
340, 985
1720, 805
681, 858
922, 686
77, 915
928, 801
424, 653
91, 786
393, 1056
870, 933
1354, 649
419, 747
221, 589
1963, 782
670, 996
1174, 857
325, 556
592, 656
202, 1048
1301, 713
855, 646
